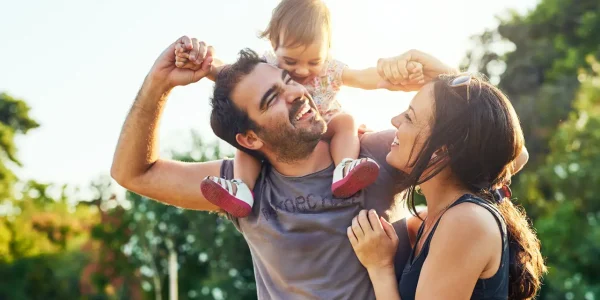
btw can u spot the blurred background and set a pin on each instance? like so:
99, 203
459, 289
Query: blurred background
69, 71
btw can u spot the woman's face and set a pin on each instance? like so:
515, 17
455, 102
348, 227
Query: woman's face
413, 129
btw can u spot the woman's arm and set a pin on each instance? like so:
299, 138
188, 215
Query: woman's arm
375, 242
466, 244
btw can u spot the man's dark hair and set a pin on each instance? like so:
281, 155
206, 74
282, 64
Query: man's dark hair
226, 119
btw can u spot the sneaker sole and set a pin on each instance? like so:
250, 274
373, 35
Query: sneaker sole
217, 195
363, 175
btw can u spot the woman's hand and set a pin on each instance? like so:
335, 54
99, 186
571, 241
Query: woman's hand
374, 240
397, 71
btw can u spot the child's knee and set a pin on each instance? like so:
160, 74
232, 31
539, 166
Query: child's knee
344, 121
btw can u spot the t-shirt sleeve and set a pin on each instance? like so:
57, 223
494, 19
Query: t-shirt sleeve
270, 58
227, 173
335, 70
404, 248
388, 186
377, 145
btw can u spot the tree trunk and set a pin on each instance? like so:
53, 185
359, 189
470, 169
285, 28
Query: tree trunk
173, 288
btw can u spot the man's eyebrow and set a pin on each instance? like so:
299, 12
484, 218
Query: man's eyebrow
284, 73
267, 95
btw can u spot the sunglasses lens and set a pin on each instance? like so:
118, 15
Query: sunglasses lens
460, 80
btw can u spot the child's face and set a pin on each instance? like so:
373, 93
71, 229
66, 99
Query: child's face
303, 62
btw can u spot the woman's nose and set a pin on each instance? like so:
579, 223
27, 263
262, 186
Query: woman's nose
396, 121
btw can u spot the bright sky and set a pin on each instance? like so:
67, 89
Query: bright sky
79, 64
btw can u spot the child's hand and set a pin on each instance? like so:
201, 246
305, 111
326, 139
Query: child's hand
190, 54
395, 70
415, 73
400, 74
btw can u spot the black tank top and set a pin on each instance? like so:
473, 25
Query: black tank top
495, 287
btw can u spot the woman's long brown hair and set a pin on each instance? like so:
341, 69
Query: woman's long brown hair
482, 138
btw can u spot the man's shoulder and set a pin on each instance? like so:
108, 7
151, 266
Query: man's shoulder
375, 143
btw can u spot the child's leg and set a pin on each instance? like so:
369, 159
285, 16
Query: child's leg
344, 137
246, 168
351, 174
234, 196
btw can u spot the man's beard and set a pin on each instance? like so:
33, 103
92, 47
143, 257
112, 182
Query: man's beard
293, 144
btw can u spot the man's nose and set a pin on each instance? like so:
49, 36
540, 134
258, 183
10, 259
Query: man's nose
293, 92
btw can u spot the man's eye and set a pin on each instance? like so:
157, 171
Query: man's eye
291, 63
273, 99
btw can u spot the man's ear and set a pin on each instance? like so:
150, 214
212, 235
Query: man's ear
249, 140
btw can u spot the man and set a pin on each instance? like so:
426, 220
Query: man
296, 231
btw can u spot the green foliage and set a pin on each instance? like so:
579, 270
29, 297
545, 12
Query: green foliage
14, 119
567, 183
214, 260
546, 62
535, 59
45, 276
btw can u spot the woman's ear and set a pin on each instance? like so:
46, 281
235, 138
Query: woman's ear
439, 154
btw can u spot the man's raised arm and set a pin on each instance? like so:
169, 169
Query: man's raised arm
136, 164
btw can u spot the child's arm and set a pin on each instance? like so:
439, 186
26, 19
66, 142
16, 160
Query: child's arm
369, 79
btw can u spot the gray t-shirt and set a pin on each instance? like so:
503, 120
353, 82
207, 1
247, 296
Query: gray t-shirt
297, 230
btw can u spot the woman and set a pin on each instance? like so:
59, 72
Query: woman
459, 139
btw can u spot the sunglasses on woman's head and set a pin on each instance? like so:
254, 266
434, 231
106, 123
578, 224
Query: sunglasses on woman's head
463, 80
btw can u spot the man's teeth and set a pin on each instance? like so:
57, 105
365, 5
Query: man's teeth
395, 142
302, 112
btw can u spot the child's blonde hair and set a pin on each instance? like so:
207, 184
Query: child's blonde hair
302, 22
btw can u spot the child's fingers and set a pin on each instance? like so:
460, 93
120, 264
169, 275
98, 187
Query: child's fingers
412, 66
183, 55
180, 51
182, 62
416, 76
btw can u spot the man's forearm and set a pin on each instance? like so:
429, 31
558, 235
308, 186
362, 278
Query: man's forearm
138, 146
385, 284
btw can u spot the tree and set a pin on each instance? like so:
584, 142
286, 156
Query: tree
567, 183
14, 119
41, 237
535, 59
211, 259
